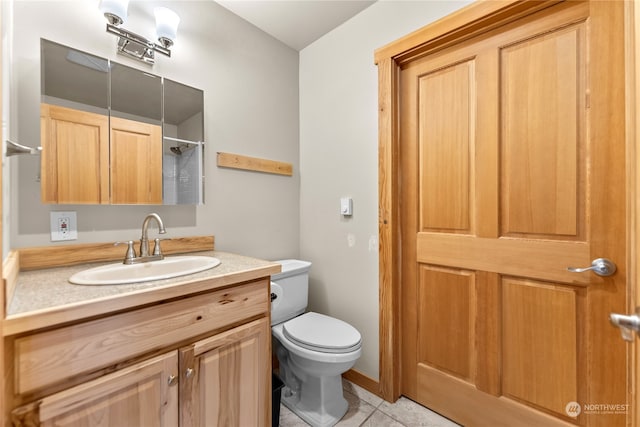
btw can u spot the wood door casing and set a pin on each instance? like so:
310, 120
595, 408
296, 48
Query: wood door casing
509, 155
632, 41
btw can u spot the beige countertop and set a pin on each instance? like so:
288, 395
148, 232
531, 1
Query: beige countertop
43, 298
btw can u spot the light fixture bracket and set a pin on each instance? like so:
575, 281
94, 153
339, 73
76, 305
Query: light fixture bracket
137, 46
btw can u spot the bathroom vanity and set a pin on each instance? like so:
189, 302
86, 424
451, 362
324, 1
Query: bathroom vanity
188, 351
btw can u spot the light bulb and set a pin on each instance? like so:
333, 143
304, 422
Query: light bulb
166, 25
114, 10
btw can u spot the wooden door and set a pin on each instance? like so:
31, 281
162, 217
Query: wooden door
75, 156
140, 395
512, 160
136, 162
227, 378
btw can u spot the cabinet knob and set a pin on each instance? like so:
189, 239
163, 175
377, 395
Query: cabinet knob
189, 373
173, 380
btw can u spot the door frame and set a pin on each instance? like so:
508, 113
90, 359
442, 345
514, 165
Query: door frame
632, 120
468, 22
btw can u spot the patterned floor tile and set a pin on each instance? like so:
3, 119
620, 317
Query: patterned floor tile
380, 419
412, 414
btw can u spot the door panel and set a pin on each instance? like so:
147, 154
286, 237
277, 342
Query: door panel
502, 187
445, 110
545, 353
451, 324
543, 133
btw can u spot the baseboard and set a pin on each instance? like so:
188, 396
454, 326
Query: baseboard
363, 381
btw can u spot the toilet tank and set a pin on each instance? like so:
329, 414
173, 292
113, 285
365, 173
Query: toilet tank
291, 290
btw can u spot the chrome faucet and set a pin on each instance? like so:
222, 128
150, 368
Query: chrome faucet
130, 257
144, 240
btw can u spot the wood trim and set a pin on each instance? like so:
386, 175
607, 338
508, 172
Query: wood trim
10, 270
237, 161
361, 380
388, 230
470, 21
59, 256
632, 44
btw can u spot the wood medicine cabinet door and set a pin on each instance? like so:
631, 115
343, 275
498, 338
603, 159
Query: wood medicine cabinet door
75, 156
136, 162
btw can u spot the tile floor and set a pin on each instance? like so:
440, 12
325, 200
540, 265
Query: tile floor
368, 410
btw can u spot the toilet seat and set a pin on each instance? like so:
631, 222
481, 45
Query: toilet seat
321, 333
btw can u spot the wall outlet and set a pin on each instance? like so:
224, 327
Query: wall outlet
63, 226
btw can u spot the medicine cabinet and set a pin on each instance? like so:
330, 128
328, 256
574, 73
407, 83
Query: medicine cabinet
113, 134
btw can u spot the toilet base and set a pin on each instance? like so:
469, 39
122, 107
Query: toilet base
320, 401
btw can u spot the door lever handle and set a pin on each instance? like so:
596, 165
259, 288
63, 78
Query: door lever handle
627, 324
601, 266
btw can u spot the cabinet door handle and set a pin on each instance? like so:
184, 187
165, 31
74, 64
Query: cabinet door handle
173, 380
189, 373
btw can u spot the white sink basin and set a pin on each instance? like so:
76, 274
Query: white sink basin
118, 274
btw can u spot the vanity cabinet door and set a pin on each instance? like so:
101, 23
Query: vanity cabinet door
226, 379
144, 394
75, 156
136, 162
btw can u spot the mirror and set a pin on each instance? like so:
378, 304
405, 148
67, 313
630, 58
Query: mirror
103, 137
183, 147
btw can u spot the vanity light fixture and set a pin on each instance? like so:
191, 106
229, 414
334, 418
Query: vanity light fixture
134, 45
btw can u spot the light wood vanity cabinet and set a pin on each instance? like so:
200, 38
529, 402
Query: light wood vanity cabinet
223, 382
140, 395
201, 360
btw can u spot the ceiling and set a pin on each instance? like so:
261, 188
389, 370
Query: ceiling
296, 23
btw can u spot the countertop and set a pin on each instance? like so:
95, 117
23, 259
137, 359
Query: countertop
43, 298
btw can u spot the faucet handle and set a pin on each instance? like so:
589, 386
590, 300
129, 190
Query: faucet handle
131, 252
157, 250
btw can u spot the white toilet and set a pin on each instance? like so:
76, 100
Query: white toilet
313, 349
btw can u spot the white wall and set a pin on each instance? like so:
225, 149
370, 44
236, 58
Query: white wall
250, 82
339, 157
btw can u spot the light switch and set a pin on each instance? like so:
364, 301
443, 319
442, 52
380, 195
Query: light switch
346, 206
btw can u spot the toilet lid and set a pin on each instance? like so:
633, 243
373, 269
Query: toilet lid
318, 332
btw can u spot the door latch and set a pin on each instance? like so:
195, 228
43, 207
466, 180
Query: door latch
601, 266
627, 324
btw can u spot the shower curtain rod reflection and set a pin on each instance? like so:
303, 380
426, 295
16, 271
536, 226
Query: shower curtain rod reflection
185, 141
